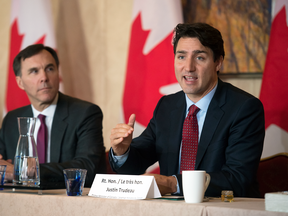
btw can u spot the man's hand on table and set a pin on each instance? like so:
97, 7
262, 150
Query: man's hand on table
9, 168
166, 184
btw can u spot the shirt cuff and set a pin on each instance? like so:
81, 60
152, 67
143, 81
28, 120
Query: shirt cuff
178, 188
119, 160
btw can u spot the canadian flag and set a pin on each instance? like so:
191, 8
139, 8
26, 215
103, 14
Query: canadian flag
274, 89
31, 23
150, 68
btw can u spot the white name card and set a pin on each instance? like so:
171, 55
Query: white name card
124, 187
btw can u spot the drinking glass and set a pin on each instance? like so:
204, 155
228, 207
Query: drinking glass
74, 181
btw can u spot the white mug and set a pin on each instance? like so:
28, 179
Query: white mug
195, 183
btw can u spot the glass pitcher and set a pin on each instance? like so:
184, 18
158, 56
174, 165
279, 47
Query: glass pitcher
26, 163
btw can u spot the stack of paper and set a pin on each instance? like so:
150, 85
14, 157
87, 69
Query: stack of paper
277, 201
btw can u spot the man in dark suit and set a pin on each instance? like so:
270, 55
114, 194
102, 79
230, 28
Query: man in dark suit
230, 123
74, 126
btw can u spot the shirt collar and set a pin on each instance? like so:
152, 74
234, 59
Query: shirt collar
49, 111
204, 102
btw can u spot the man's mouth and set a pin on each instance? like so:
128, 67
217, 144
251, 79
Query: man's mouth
190, 78
44, 88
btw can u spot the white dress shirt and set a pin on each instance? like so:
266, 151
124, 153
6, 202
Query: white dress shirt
49, 113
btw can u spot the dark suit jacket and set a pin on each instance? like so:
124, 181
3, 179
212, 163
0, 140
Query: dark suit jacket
230, 145
76, 139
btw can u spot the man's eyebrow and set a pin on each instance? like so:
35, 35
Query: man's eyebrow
49, 65
181, 51
194, 51
199, 51
37, 68
32, 69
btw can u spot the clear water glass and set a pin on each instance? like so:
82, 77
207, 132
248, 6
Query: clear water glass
2, 174
74, 181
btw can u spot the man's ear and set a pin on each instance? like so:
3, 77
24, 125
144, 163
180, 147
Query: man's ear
219, 63
19, 82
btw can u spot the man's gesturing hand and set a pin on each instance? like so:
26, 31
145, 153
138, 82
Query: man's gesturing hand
121, 136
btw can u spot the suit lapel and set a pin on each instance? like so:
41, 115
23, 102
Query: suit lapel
177, 116
213, 117
58, 128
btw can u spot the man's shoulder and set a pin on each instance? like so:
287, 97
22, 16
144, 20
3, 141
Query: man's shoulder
172, 101
174, 97
75, 103
233, 96
19, 112
235, 92
11, 117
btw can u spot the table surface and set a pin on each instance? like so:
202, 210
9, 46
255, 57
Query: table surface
56, 202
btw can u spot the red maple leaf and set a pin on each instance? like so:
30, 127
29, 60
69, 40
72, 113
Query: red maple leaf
16, 97
274, 90
146, 74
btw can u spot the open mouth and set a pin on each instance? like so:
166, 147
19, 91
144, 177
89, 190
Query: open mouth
190, 78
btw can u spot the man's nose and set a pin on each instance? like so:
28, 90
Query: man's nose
190, 65
43, 76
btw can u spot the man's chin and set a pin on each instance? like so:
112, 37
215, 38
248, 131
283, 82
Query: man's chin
47, 99
188, 90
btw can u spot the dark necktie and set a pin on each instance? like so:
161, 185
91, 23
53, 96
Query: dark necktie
189, 140
42, 139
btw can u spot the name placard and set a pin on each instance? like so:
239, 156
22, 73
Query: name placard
124, 187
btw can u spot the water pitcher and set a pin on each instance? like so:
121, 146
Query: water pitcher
26, 164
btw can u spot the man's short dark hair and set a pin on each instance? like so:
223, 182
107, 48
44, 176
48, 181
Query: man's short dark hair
31, 51
206, 34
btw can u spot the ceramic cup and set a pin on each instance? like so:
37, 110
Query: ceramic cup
195, 183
